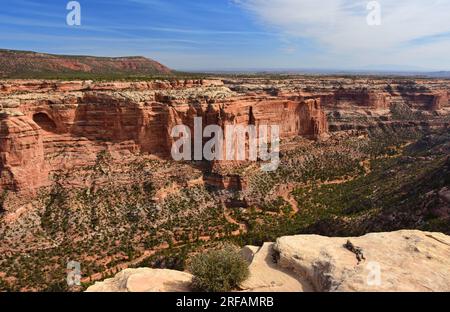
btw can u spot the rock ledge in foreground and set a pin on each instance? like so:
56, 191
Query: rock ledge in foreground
397, 261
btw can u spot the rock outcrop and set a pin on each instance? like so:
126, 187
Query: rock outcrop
49, 125
389, 262
362, 103
22, 165
267, 276
397, 261
45, 123
145, 280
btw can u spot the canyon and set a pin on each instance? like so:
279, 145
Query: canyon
47, 126
44, 121
86, 171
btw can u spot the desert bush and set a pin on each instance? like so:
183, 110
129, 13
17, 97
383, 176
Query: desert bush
218, 270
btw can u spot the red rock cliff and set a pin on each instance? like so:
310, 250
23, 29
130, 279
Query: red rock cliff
47, 126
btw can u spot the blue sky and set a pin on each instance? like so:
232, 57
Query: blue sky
238, 34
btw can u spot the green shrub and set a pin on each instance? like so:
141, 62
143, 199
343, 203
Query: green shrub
218, 270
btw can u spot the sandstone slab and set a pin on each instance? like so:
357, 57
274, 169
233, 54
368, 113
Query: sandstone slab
267, 276
397, 261
145, 280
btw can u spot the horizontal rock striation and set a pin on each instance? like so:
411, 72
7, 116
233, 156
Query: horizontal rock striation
22, 164
48, 125
51, 125
364, 103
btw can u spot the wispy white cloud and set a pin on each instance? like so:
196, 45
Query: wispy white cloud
191, 31
340, 27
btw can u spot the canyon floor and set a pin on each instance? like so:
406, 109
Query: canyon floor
86, 177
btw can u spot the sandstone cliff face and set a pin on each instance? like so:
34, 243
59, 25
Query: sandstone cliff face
344, 98
397, 261
22, 165
362, 103
351, 93
381, 100
79, 118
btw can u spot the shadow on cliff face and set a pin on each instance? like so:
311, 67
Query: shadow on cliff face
3, 196
45, 122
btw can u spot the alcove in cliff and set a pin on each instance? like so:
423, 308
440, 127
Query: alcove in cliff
45, 122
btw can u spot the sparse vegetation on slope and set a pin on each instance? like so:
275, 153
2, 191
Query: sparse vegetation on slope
26, 65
